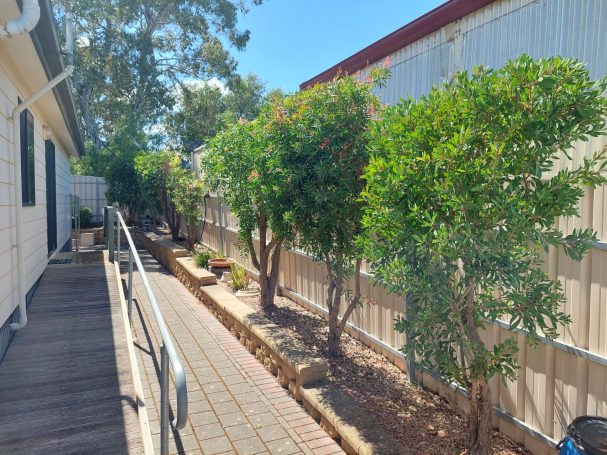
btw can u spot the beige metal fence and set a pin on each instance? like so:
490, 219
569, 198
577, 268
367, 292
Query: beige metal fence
557, 380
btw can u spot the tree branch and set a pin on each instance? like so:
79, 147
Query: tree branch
355, 300
252, 252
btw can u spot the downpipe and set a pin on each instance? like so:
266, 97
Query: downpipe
18, 196
24, 23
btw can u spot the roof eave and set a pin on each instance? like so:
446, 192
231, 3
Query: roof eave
409, 33
46, 42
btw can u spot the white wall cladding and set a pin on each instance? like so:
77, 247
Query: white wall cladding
91, 191
34, 218
541, 28
64, 180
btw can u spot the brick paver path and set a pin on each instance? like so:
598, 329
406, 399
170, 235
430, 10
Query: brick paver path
235, 405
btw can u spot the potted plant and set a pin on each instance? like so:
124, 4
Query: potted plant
219, 261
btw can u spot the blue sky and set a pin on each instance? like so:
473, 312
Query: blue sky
293, 40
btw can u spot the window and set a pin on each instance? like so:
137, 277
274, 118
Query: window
28, 181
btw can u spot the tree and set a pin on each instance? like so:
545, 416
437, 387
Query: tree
238, 164
200, 116
207, 109
187, 193
461, 203
124, 187
319, 137
130, 55
157, 180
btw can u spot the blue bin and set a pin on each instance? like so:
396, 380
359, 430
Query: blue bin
586, 435
568, 448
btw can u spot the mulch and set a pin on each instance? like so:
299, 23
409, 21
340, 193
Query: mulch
417, 417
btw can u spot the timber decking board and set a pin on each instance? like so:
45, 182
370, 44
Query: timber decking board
66, 384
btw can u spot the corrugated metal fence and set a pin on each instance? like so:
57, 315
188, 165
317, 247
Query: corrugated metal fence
91, 191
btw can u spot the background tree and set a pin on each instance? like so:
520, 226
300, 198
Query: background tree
155, 171
319, 137
130, 55
461, 205
187, 192
124, 187
207, 109
238, 164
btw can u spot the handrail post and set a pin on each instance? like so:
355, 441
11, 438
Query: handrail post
130, 283
118, 241
164, 401
111, 221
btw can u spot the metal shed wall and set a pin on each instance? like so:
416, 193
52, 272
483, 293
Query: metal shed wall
91, 191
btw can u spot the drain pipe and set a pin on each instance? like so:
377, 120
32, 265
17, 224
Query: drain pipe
17, 158
18, 196
24, 23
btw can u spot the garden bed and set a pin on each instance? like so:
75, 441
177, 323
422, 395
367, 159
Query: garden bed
418, 418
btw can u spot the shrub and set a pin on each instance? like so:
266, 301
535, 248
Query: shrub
462, 204
86, 217
240, 279
201, 259
320, 137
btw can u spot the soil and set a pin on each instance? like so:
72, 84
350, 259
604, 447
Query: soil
418, 418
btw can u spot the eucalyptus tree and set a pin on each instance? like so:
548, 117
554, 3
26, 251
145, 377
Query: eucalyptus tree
207, 108
462, 198
131, 54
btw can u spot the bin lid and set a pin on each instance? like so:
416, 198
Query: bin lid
589, 433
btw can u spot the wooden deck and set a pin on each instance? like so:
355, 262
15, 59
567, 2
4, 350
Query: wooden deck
66, 385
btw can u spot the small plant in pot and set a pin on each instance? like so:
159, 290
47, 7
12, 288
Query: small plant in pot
219, 261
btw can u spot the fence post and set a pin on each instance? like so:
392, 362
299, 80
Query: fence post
221, 225
409, 310
110, 220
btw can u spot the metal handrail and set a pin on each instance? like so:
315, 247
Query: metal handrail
169, 356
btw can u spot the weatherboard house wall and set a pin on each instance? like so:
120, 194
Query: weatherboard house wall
25, 65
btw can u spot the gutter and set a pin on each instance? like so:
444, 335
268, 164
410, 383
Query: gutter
46, 42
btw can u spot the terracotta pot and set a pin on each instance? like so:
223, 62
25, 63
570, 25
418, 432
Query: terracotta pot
220, 263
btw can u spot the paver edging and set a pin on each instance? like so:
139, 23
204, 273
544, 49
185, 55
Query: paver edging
338, 414
198, 276
164, 251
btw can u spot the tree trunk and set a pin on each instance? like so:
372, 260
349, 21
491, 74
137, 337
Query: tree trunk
333, 345
268, 275
480, 417
336, 327
479, 394
334, 293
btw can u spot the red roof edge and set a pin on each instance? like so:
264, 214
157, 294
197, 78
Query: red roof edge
417, 29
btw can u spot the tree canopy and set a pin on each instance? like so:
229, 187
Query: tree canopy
318, 138
130, 55
463, 199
